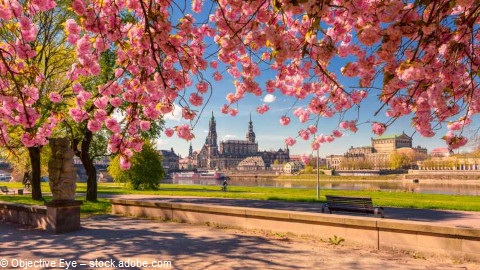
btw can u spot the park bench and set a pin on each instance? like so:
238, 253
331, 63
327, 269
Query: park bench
352, 204
5, 190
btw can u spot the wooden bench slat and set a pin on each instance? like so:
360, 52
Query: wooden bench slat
351, 204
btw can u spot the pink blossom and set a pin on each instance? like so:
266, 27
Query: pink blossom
225, 109
454, 141
116, 102
455, 125
304, 134
94, 125
77, 88
184, 132
197, 5
302, 114
79, 7
337, 133
202, 87
125, 163
195, 99
305, 159
55, 97
112, 125
378, 128
351, 125
263, 109
43, 5
118, 72
312, 129
169, 132
188, 114
101, 102
214, 64
144, 125
72, 27
100, 115
233, 112
27, 140
329, 139
78, 115
290, 141
217, 76
284, 120
358, 96
315, 145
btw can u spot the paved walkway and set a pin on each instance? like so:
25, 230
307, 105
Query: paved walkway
107, 240
463, 219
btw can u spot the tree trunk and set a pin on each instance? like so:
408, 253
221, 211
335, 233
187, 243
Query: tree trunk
90, 169
34, 153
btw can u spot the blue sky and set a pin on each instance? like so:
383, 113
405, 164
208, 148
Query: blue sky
270, 134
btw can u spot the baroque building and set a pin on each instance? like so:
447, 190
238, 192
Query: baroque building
228, 154
378, 155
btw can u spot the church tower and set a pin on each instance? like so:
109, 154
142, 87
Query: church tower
190, 151
212, 133
250, 134
211, 145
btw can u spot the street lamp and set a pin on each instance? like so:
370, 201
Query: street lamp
318, 174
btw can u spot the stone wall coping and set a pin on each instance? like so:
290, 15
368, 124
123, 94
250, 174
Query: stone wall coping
426, 227
41, 209
308, 217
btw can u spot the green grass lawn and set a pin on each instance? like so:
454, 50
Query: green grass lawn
381, 198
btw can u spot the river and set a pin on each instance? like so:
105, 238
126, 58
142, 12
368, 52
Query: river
424, 186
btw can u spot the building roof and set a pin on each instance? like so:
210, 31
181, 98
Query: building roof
252, 161
392, 136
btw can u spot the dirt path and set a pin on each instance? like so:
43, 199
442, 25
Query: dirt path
116, 239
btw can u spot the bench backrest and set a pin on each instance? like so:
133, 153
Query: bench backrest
349, 202
3, 188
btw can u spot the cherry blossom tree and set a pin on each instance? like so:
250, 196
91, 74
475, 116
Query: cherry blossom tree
419, 58
424, 52
33, 62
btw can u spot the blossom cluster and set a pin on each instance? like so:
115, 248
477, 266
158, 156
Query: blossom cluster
425, 51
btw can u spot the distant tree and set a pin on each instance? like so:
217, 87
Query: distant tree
399, 160
145, 173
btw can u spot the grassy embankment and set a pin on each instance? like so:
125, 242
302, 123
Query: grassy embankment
389, 199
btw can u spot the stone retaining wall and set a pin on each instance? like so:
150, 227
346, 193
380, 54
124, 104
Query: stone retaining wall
31, 215
371, 232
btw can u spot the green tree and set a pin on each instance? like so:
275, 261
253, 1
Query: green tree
399, 160
145, 173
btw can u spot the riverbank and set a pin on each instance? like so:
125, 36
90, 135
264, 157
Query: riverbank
380, 198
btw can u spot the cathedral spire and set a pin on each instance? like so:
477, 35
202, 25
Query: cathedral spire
212, 132
250, 134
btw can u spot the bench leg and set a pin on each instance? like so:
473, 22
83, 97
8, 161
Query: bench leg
379, 211
325, 206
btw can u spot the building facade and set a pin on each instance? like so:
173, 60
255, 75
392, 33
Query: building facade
170, 160
378, 155
228, 154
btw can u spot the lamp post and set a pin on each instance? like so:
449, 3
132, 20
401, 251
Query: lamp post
318, 174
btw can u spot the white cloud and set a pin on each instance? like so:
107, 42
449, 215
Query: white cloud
159, 143
229, 137
175, 115
269, 98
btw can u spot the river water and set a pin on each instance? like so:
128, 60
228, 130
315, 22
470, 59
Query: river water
424, 186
